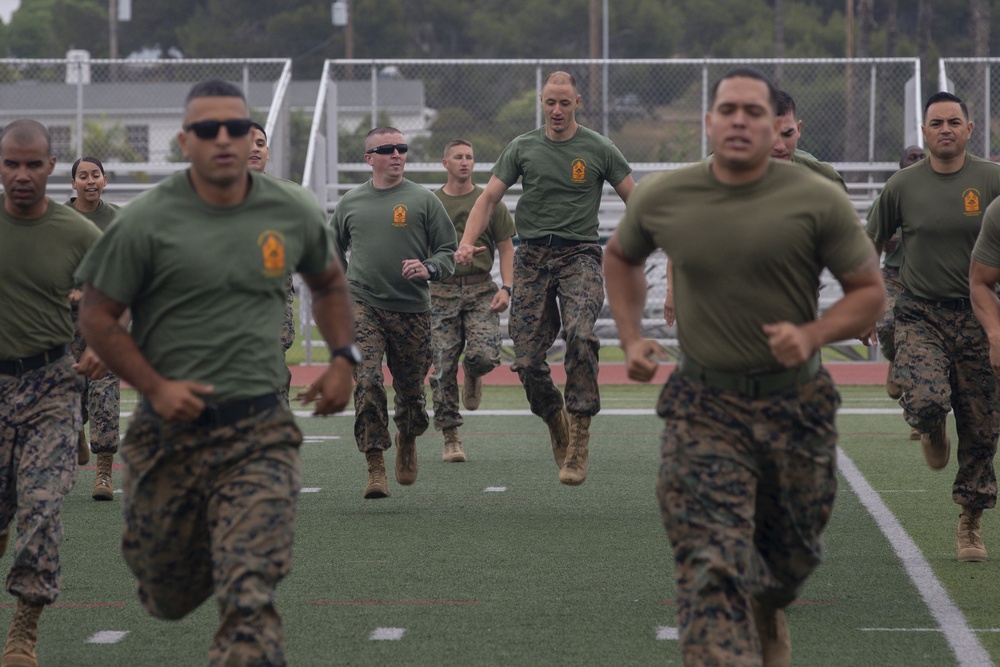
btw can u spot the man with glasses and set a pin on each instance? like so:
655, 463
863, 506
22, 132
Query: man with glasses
400, 237
211, 457
259, 153
558, 283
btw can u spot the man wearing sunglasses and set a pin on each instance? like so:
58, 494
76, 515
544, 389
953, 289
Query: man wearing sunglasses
211, 457
558, 282
400, 237
259, 153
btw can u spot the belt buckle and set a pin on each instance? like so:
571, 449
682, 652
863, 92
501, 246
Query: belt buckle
18, 367
210, 416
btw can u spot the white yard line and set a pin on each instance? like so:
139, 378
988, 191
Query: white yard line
960, 637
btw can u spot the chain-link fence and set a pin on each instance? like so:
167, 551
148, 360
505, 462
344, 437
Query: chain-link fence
858, 113
972, 80
127, 113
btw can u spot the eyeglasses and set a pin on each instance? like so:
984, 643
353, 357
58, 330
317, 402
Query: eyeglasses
209, 129
387, 149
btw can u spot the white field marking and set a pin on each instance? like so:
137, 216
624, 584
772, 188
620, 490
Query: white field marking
387, 634
960, 637
107, 637
310, 489
618, 412
666, 632
319, 438
494, 489
920, 630
901, 491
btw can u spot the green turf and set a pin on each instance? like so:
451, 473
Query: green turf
539, 574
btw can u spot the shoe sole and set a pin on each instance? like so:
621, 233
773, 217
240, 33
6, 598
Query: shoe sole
973, 558
103, 495
375, 494
571, 477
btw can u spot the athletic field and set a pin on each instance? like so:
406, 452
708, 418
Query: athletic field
493, 562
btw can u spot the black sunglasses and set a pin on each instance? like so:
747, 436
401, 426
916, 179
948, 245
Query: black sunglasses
387, 149
209, 129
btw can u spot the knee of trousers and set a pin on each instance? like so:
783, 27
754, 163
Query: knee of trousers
927, 406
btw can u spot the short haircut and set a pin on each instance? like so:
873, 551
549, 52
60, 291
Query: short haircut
26, 130
379, 131
214, 88
559, 77
945, 96
748, 73
257, 126
455, 142
87, 158
786, 104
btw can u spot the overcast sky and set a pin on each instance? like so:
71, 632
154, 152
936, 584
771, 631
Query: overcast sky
7, 8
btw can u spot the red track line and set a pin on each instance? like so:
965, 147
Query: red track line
374, 602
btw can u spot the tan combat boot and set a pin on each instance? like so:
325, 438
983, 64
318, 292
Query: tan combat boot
574, 470
406, 459
19, 651
378, 485
775, 638
472, 391
914, 434
936, 446
969, 537
104, 488
82, 449
453, 452
891, 388
559, 435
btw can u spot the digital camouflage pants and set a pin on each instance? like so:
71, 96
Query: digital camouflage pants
39, 421
943, 363
461, 320
287, 335
557, 289
746, 487
101, 404
404, 340
885, 328
212, 511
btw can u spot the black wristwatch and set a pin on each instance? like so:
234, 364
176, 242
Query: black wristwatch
349, 352
432, 270
507, 288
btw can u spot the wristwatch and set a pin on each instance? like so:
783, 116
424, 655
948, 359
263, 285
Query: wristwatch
349, 352
506, 288
432, 270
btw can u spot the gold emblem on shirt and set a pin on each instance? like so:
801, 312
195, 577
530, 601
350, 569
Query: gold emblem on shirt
399, 215
971, 199
579, 169
272, 248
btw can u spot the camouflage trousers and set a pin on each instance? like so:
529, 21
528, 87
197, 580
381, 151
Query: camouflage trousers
557, 288
39, 421
404, 340
461, 320
746, 487
287, 335
212, 511
943, 362
885, 328
101, 404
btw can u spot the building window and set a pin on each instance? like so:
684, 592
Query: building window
137, 137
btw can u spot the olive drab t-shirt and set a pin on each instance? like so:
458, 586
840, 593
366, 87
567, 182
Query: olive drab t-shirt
809, 161
100, 216
37, 261
381, 228
562, 182
987, 248
206, 284
501, 228
939, 216
743, 256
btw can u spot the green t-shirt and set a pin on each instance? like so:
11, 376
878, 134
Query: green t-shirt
987, 248
939, 216
501, 227
100, 216
894, 257
37, 261
743, 256
206, 284
809, 161
562, 181
382, 228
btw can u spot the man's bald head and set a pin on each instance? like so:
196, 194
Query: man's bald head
26, 131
